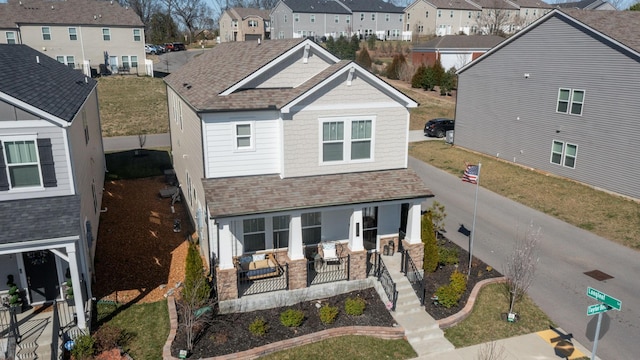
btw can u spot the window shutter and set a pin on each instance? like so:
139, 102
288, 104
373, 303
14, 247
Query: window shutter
46, 163
4, 180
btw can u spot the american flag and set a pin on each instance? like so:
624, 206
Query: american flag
471, 174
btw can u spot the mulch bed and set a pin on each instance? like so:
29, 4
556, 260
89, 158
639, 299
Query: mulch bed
229, 333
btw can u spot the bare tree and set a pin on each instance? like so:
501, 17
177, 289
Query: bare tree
521, 265
438, 215
195, 314
491, 351
143, 8
495, 19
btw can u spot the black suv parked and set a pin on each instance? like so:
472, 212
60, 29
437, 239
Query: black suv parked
178, 46
438, 127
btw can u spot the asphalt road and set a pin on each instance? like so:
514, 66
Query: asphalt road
566, 252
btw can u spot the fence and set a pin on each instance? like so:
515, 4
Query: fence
414, 275
320, 271
9, 334
250, 285
382, 274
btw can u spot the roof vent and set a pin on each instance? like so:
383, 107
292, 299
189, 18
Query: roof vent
259, 41
52, 7
37, 59
95, 17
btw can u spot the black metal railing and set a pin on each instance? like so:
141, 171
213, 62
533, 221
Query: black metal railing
414, 275
320, 271
387, 283
9, 331
249, 284
373, 263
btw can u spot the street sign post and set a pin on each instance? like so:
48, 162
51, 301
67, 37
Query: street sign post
597, 308
608, 300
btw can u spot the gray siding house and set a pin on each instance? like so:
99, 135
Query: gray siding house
560, 96
51, 177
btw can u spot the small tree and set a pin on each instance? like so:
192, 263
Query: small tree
371, 42
438, 215
393, 70
364, 59
438, 72
521, 266
429, 79
446, 83
195, 306
416, 80
431, 257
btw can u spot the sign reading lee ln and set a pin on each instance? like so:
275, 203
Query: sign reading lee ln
608, 300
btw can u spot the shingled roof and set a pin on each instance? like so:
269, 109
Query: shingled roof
316, 6
71, 12
532, 4
243, 13
200, 83
372, 6
34, 219
42, 82
619, 25
237, 196
454, 4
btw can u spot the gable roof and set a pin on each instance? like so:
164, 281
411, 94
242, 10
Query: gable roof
243, 13
316, 6
616, 26
583, 4
68, 12
31, 219
41, 82
454, 4
466, 42
372, 6
531, 4
236, 196
496, 4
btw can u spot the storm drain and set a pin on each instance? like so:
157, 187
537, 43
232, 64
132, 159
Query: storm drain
598, 275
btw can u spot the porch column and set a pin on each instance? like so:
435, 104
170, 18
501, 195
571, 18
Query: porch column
76, 285
295, 237
225, 243
356, 230
414, 235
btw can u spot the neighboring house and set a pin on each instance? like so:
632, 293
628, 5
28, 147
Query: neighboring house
453, 50
82, 34
52, 170
282, 146
544, 97
242, 24
444, 17
587, 5
318, 18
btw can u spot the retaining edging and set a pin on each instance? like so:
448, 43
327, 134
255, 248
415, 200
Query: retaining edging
466, 310
381, 332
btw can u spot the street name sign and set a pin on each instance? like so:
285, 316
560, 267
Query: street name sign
602, 297
597, 308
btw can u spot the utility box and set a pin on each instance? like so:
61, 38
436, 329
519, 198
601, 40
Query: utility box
449, 137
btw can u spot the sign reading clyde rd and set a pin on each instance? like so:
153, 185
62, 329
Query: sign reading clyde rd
600, 296
597, 308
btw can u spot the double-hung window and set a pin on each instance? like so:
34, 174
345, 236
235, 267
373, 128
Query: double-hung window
311, 228
312, 18
254, 234
570, 101
11, 37
23, 163
347, 19
281, 231
46, 33
253, 23
106, 34
244, 136
137, 35
73, 34
387, 17
346, 139
68, 60
373, 17
296, 17
564, 154
336, 19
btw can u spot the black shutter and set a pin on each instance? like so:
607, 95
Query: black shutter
4, 180
46, 163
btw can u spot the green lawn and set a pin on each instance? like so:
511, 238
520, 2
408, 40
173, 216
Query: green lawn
487, 322
145, 325
604, 214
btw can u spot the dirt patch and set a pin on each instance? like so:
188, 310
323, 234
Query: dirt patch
139, 257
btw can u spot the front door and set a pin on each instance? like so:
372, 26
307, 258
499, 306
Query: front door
42, 278
370, 228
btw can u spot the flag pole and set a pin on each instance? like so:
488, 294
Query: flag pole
473, 225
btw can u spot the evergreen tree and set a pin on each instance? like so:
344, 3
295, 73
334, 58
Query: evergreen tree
393, 70
364, 59
417, 79
438, 72
431, 257
429, 79
194, 286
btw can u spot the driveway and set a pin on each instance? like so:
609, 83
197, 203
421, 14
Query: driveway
566, 252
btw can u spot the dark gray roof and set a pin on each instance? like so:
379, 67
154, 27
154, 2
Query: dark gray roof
71, 12
465, 42
237, 196
316, 6
39, 219
454, 4
622, 26
42, 82
495, 4
532, 4
584, 4
378, 6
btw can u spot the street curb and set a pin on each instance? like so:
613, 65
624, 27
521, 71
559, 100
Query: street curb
466, 310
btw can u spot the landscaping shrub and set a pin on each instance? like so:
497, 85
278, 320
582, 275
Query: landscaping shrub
431, 256
83, 348
196, 286
108, 337
292, 318
364, 59
447, 296
259, 327
355, 306
393, 70
448, 256
459, 282
416, 80
328, 314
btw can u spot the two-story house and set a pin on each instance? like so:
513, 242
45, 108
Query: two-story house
543, 97
243, 24
52, 170
82, 34
282, 147
302, 18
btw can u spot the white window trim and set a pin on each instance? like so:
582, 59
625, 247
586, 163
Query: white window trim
244, 234
570, 101
107, 34
346, 142
48, 33
134, 35
66, 60
563, 155
74, 34
252, 136
34, 138
6, 36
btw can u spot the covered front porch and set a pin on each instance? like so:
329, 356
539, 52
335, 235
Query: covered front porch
302, 237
